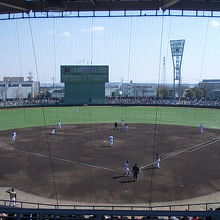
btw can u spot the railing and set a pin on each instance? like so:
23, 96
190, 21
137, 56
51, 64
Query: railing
109, 13
70, 214
170, 207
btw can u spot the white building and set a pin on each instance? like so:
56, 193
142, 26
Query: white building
139, 89
17, 88
58, 93
212, 87
112, 89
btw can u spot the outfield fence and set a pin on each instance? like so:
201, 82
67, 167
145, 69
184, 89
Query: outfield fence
113, 105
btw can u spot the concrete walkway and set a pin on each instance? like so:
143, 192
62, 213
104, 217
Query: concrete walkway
26, 197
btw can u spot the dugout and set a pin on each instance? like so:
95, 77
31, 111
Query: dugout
84, 84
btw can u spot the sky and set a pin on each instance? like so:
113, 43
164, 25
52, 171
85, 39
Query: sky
133, 47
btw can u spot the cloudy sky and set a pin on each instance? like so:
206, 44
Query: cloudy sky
133, 47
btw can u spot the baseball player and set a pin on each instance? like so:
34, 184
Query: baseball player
126, 127
202, 128
59, 124
116, 125
12, 195
111, 140
53, 131
122, 122
126, 169
157, 161
13, 136
135, 171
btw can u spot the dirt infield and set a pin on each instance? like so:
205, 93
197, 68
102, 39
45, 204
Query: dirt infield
77, 164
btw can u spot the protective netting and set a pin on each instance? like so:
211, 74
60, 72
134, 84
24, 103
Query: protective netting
78, 153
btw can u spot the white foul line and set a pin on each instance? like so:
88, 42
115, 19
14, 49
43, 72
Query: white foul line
198, 148
189, 149
60, 159
172, 154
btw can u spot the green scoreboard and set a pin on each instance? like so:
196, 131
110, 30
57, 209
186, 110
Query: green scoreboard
84, 84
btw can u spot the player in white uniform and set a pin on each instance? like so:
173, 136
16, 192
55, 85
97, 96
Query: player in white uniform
201, 127
12, 195
13, 136
126, 127
122, 122
158, 161
111, 140
126, 169
53, 131
59, 124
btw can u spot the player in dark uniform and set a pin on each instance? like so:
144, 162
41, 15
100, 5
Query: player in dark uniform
115, 125
135, 171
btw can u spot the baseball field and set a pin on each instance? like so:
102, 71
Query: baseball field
77, 164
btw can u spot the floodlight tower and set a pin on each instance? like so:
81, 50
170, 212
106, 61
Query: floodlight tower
177, 47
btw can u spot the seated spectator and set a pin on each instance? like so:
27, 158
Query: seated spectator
173, 218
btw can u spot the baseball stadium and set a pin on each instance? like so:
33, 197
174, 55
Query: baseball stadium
86, 155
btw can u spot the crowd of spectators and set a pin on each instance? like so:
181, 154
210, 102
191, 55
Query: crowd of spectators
118, 101
5, 216
30, 102
155, 218
163, 101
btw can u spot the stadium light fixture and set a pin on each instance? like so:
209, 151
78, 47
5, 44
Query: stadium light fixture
177, 47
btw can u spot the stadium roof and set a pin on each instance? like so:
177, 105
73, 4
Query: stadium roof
211, 81
20, 6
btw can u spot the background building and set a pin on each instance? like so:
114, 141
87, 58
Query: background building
139, 89
57, 93
212, 87
112, 89
17, 88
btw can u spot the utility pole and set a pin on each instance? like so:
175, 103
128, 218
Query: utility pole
164, 71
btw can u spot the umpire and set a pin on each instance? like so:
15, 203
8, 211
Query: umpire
115, 125
135, 171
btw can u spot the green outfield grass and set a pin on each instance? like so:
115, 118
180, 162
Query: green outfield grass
31, 117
